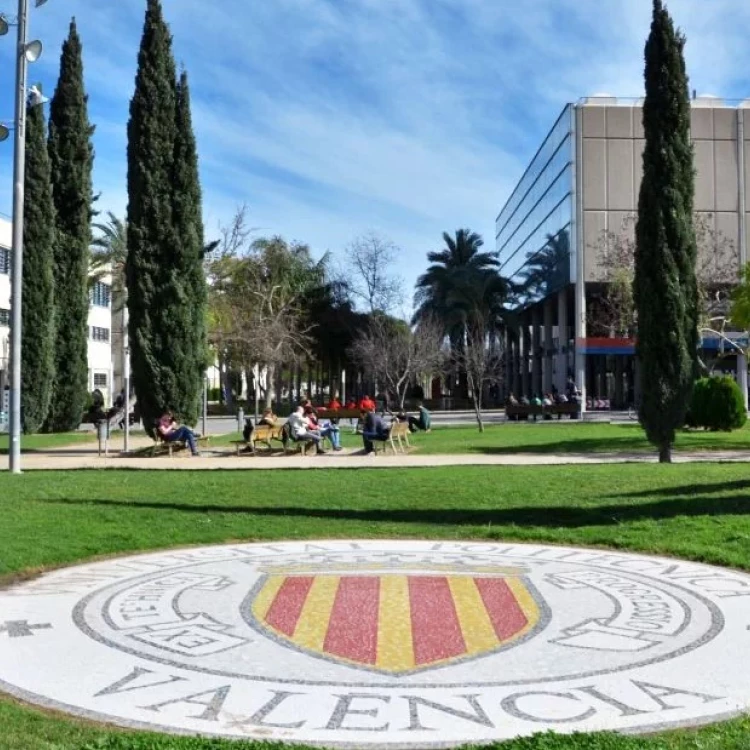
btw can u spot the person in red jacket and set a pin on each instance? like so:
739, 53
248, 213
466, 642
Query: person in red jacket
334, 404
366, 404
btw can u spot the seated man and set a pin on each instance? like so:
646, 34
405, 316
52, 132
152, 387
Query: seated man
375, 429
330, 430
300, 429
171, 432
422, 422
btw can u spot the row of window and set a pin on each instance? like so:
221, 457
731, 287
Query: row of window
101, 294
99, 334
4, 260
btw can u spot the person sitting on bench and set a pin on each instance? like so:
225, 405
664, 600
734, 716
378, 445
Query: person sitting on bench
171, 432
422, 422
330, 430
375, 429
300, 429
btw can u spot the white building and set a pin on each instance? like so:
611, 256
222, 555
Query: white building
99, 324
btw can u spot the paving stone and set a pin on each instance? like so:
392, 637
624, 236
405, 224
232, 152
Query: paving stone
412, 644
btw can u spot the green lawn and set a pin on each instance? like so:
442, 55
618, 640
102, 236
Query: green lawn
32, 443
51, 518
548, 437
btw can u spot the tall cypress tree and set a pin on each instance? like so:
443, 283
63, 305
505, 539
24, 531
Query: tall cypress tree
188, 223
665, 285
157, 304
71, 161
38, 311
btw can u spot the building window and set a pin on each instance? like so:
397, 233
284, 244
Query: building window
100, 380
101, 294
5, 318
99, 334
4, 260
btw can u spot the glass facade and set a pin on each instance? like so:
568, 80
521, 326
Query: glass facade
533, 229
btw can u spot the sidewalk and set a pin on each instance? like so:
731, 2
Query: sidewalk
224, 457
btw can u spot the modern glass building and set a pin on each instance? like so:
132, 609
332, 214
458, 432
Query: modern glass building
571, 214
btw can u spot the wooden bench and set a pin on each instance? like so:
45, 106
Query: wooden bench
398, 432
525, 411
263, 433
162, 446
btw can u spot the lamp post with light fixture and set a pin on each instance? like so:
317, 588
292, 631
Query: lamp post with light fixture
26, 52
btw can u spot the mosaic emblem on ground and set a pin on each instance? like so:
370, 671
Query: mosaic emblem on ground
382, 643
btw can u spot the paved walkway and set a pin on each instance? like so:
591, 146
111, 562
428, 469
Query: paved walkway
224, 457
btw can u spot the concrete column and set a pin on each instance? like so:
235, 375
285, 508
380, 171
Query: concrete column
562, 339
515, 367
523, 350
547, 345
742, 376
580, 282
536, 355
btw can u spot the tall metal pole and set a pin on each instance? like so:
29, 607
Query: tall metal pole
19, 166
126, 387
204, 430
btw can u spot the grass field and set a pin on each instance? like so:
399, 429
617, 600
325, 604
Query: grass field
32, 443
693, 511
547, 437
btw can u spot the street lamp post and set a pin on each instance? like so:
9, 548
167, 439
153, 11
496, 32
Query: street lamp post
25, 53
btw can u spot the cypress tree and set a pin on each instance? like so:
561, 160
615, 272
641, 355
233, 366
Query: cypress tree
157, 304
188, 260
665, 285
38, 313
71, 161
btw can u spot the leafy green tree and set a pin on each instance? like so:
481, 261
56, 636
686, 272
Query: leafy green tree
665, 285
187, 206
38, 310
71, 160
161, 263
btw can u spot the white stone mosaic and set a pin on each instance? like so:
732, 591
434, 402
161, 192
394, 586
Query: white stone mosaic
382, 643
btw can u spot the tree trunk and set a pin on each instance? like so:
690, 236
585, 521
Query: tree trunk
226, 380
478, 414
665, 454
270, 372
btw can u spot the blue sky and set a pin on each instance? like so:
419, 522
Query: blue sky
331, 118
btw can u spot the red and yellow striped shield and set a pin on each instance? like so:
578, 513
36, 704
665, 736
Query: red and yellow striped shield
396, 623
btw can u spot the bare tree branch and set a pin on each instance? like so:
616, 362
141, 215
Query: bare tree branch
396, 356
368, 259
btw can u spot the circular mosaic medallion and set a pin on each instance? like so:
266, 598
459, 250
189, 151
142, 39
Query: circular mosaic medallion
382, 643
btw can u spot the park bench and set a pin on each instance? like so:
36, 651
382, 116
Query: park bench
170, 447
399, 432
524, 411
262, 433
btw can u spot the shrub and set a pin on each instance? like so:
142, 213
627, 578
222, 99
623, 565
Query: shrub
717, 404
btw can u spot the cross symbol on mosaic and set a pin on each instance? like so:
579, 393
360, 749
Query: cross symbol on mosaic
21, 628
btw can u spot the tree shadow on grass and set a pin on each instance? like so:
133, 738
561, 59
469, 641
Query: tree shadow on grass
576, 446
542, 516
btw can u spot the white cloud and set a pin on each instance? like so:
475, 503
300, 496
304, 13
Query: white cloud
410, 117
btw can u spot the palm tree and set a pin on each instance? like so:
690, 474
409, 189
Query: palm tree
109, 251
453, 266
461, 289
